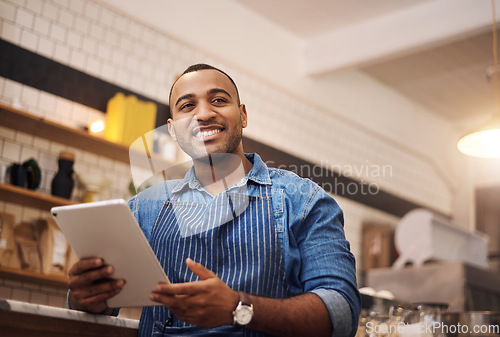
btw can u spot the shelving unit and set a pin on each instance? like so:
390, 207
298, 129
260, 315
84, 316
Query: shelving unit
27, 276
22, 121
44, 128
41, 127
26, 197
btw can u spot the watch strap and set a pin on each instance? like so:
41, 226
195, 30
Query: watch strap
245, 298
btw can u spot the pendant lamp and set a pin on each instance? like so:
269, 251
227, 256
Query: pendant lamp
484, 142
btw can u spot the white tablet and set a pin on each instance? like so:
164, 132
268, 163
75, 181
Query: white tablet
109, 230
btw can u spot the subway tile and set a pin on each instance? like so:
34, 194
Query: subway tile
2, 85
105, 52
127, 44
74, 39
20, 295
11, 32
90, 158
7, 133
89, 45
97, 31
62, 3
121, 23
46, 47
82, 24
111, 38
30, 96
119, 58
122, 77
62, 53
66, 18
5, 292
133, 63
107, 17
18, 3
41, 143
24, 18
42, 25
35, 6
11, 151
80, 115
7, 11
135, 30
47, 102
108, 72
31, 285
78, 60
50, 11
48, 161
38, 298
29, 153
56, 148
58, 32
92, 11
56, 301
48, 289
24, 138
93, 66
77, 6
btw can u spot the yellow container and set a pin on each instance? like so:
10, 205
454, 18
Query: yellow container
128, 118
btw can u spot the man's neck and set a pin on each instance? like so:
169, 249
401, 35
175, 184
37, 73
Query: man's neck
220, 170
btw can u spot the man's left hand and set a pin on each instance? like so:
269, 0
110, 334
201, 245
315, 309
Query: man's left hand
208, 302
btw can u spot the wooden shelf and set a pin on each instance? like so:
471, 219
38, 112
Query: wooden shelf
27, 276
26, 197
43, 128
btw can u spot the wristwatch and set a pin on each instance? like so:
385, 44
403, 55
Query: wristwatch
244, 311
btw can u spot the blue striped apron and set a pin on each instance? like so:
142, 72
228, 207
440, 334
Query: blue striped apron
240, 247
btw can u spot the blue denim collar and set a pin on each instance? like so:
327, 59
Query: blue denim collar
258, 174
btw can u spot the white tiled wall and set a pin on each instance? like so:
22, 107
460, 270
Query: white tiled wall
89, 37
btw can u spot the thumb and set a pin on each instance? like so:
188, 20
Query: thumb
197, 268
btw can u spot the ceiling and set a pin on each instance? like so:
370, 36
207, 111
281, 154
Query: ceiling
435, 52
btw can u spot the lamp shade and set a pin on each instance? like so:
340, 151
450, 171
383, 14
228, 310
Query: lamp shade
483, 142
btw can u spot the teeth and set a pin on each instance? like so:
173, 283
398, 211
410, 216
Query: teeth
208, 133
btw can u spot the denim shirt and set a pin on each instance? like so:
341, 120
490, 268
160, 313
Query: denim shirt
310, 234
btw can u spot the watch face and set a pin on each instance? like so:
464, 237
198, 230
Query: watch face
244, 315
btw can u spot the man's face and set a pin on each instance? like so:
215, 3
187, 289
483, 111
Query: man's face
206, 117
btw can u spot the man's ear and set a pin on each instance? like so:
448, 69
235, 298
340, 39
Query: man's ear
243, 114
171, 129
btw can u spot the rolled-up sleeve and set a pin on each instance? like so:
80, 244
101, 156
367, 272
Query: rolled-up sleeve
339, 311
318, 259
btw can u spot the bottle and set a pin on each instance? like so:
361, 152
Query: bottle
62, 184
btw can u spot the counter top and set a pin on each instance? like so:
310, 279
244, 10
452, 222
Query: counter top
21, 319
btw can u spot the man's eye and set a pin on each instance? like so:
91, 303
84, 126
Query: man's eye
219, 100
186, 106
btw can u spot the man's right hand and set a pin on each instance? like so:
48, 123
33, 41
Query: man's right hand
90, 285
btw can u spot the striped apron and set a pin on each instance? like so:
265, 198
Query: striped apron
239, 244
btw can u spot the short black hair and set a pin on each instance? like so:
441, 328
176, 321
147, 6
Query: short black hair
203, 66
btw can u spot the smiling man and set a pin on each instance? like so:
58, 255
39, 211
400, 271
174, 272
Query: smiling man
250, 250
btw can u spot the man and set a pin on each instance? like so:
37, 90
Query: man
250, 250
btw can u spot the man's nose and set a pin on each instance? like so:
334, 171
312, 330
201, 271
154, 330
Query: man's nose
204, 112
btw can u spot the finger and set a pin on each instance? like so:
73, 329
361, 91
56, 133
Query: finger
98, 300
177, 289
197, 268
84, 265
90, 277
101, 288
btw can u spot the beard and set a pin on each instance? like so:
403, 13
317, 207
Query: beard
198, 149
